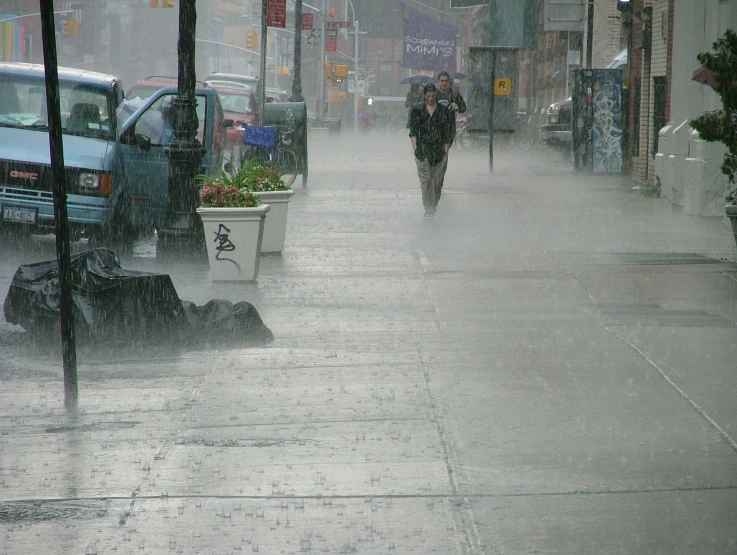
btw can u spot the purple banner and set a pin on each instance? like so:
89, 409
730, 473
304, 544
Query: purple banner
428, 43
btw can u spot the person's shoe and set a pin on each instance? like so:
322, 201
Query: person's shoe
428, 215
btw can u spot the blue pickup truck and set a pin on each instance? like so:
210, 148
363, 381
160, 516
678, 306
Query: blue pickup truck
114, 152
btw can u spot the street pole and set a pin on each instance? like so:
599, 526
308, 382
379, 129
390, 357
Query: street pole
589, 34
568, 65
355, 79
185, 152
297, 80
491, 112
63, 256
262, 71
491, 119
321, 68
276, 60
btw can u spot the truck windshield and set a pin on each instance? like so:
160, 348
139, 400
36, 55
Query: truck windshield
85, 110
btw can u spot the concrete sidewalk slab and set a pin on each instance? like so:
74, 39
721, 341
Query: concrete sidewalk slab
507, 378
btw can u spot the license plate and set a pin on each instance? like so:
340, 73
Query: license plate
19, 215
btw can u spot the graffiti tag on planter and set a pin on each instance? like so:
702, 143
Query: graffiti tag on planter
224, 244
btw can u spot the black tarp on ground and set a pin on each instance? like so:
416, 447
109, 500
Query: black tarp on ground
118, 305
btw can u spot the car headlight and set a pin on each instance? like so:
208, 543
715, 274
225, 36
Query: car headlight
89, 181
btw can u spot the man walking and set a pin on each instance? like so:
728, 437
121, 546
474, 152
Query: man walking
430, 131
451, 99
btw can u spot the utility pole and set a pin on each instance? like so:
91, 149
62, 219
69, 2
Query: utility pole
568, 63
321, 67
355, 78
262, 72
276, 60
297, 80
589, 34
63, 256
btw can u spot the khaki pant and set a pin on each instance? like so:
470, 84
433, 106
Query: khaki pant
431, 182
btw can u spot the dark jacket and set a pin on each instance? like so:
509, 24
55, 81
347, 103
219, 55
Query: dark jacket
431, 132
452, 96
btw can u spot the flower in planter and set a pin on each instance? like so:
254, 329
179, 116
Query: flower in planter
223, 192
254, 176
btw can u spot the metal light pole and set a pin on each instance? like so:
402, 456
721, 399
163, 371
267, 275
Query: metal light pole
63, 254
262, 71
321, 68
185, 152
276, 61
590, 34
355, 75
355, 63
297, 80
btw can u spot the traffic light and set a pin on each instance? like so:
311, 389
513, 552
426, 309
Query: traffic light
624, 6
168, 3
70, 28
252, 40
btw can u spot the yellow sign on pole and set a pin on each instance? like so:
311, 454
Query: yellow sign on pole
503, 86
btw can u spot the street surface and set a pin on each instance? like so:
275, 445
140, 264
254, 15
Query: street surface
548, 366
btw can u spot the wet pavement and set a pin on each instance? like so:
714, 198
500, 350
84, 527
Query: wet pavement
548, 366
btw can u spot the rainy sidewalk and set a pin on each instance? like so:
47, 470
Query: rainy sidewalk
546, 366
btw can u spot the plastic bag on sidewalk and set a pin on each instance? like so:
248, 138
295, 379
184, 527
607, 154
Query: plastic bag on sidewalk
112, 304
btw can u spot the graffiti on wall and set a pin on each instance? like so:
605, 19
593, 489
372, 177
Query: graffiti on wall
607, 127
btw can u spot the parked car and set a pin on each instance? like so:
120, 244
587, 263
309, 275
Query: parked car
145, 197
249, 80
117, 166
144, 88
239, 104
276, 95
558, 130
88, 111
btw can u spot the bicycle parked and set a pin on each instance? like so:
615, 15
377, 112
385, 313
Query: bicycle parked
272, 146
526, 135
470, 140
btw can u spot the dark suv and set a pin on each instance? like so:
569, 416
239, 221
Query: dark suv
558, 130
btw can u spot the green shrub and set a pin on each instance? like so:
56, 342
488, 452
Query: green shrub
721, 125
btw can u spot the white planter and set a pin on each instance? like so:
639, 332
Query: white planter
275, 227
233, 237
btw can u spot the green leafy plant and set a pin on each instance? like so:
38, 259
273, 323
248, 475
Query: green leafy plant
223, 192
721, 125
257, 177
652, 189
